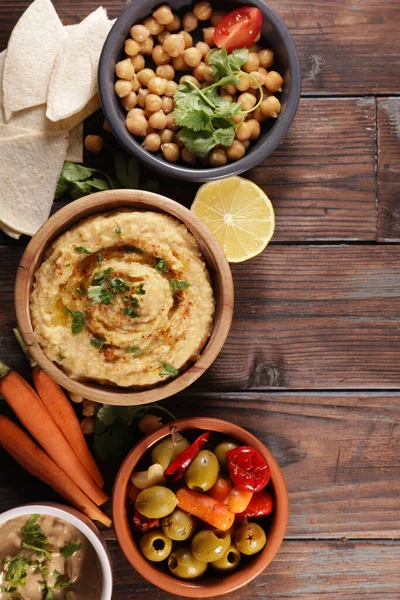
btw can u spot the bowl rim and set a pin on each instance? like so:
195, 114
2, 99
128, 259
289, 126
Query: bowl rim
99, 203
109, 104
228, 583
85, 526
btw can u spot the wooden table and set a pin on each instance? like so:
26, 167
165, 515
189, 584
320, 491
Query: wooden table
312, 362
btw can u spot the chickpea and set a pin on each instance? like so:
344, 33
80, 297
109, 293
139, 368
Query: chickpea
163, 36
153, 25
175, 24
266, 57
244, 131
87, 425
167, 105
203, 10
146, 47
89, 408
164, 15
236, 150
188, 156
192, 57
270, 107
179, 64
106, 126
258, 115
255, 128
166, 136
135, 111
170, 152
153, 103
171, 88
248, 101
188, 39
229, 88
189, 78
129, 101
158, 120
217, 16
252, 64
204, 48
256, 76
131, 47
124, 69
174, 45
171, 122
218, 157
198, 72
227, 97
152, 142
274, 82
145, 75
138, 62
208, 35
237, 119
208, 74
137, 125
165, 72
136, 85
123, 87
94, 143
244, 83
139, 33
147, 113
157, 85
160, 56
190, 22
141, 97
75, 398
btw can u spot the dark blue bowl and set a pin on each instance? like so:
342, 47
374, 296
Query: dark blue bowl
274, 33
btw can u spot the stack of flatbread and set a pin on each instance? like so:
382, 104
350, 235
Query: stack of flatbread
48, 79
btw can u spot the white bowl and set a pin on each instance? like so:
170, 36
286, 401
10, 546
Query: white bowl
85, 526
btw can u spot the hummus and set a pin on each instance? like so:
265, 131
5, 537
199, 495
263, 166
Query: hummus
123, 298
44, 557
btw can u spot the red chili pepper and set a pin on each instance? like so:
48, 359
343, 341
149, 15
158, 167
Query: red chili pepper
183, 460
261, 505
248, 468
143, 523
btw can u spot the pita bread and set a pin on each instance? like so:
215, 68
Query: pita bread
30, 166
2, 59
10, 232
73, 79
75, 144
31, 52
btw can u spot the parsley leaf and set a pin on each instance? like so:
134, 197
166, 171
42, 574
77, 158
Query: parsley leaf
161, 265
98, 342
140, 289
78, 320
81, 291
224, 137
44, 571
131, 249
48, 594
134, 349
70, 549
15, 572
175, 285
100, 295
82, 250
116, 283
38, 550
167, 370
99, 259
60, 355
99, 277
198, 142
118, 230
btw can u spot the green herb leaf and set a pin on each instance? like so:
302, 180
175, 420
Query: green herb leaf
39, 550
198, 142
60, 355
100, 277
44, 571
226, 109
118, 230
224, 137
167, 370
48, 594
82, 250
161, 266
81, 291
140, 289
70, 549
79, 181
129, 312
116, 283
78, 320
15, 572
99, 259
98, 342
134, 349
175, 285
33, 533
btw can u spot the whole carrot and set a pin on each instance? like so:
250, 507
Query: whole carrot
205, 508
26, 404
32, 458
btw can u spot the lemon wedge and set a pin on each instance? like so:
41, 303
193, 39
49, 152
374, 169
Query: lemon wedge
238, 213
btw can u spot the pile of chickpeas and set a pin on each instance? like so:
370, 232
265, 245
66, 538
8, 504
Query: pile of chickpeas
147, 93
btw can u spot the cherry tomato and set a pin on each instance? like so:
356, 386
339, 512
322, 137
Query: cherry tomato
260, 505
247, 468
238, 28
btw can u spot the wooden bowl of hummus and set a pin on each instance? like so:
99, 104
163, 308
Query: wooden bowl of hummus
124, 297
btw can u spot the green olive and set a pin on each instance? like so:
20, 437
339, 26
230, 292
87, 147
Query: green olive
221, 450
250, 538
209, 545
178, 525
229, 562
155, 546
166, 450
184, 565
202, 473
156, 502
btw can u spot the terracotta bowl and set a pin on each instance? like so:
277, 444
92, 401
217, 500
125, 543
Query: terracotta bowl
211, 586
100, 203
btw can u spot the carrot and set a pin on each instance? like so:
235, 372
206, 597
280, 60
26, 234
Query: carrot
239, 499
32, 458
24, 401
202, 506
220, 490
61, 410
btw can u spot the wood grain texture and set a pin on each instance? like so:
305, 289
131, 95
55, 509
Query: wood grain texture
389, 169
302, 571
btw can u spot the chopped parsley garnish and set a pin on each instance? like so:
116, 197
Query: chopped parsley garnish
116, 283
140, 289
100, 295
105, 289
70, 549
176, 285
118, 230
100, 277
82, 250
99, 259
60, 355
129, 311
33, 533
15, 573
62, 580
68, 265
44, 571
78, 320
161, 266
98, 342
81, 291
167, 370
48, 594
38, 550
134, 349
131, 249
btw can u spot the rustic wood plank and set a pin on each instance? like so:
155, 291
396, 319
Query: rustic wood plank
306, 317
345, 46
301, 570
389, 169
321, 179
